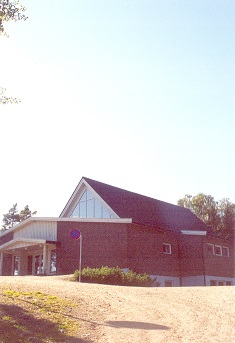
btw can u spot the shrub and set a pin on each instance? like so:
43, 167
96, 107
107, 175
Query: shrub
133, 279
113, 276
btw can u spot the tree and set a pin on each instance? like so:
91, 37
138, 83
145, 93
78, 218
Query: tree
227, 214
9, 11
26, 213
13, 217
7, 100
219, 215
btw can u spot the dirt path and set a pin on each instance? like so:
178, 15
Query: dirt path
113, 314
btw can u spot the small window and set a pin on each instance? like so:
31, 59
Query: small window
225, 251
220, 283
168, 283
218, 250
166, 248
210, 249
228, 283
212, 282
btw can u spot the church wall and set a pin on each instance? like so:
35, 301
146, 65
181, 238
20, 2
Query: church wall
146, 253
103, 244
6, 238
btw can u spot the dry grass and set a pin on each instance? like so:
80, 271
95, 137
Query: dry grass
35, 317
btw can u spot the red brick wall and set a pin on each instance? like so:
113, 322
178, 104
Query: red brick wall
103, 244
7, 258
140, 249
145, 251
6, 238
219, 265
191, 255
7, 264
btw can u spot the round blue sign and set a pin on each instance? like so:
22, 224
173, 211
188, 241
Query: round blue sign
75, 233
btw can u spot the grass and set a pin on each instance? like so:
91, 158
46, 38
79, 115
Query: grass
36, 317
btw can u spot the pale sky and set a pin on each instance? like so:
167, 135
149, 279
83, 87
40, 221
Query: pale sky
138, 94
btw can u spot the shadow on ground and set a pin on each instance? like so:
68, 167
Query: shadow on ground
136, 325
19, 326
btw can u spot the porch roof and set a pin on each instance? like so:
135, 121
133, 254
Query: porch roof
23, 243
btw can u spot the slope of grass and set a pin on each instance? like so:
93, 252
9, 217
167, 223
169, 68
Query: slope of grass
33, 317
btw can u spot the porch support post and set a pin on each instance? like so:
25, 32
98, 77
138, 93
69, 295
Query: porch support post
1, 262
44, 259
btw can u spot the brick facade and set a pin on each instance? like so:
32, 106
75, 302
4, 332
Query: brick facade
103, 244
219, 265
145, 251
6, 238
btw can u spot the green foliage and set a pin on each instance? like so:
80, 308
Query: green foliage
133, 279
10, 11
26, 213
13, 217
113, 276
5, 99
219, 215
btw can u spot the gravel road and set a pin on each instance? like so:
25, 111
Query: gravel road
114, 314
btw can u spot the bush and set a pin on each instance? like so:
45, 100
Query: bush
113, 276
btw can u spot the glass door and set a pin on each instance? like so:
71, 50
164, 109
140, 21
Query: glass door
38, 264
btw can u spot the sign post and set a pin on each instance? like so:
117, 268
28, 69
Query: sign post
76, 234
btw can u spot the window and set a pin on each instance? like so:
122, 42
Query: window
16, 265
89, 207
218, 250
168, 283
38, 265
210, 248
228, 283
220, 283
53, 261
166, 248
225, 251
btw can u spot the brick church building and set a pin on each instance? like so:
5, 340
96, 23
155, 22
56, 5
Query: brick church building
124, 229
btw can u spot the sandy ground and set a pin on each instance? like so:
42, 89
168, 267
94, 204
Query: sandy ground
113, 314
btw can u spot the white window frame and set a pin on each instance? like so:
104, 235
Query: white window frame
213, 248
227, 249
220, 248
168, 245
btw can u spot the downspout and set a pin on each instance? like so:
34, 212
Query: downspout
203, 258
44, 256
179, 261
1, 262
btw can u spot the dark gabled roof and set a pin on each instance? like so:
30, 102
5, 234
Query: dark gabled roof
146, 210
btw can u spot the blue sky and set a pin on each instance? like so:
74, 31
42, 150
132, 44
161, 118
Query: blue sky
137, 94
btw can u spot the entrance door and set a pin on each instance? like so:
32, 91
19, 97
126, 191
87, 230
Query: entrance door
38, 264
16, 265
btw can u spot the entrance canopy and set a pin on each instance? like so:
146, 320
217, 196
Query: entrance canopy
23, 243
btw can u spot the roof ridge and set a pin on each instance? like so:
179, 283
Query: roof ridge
134, 193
